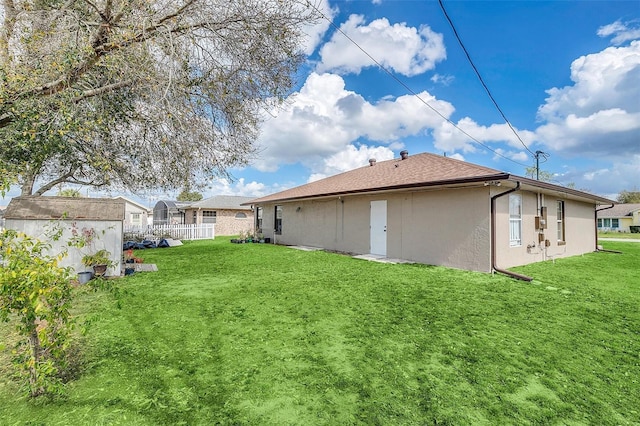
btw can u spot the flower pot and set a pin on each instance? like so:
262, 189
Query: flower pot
84, 277
129, 271
99, 270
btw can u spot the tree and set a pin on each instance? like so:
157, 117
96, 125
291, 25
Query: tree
544, 176
629, 197
37, 294
140, 94
187, 195
69, 192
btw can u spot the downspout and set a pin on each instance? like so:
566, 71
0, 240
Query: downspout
493, 237
595, 213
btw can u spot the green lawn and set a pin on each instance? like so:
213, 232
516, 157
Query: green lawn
625, 235
258, 334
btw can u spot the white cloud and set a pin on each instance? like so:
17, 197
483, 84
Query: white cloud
623, 175
350, 158
622, 32
324, 119
519, 156
447, 138
600, 113
405, 50
458, 156
445, 80
316, 31
240, 187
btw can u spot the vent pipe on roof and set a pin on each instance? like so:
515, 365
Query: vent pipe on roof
404, 154
372, 161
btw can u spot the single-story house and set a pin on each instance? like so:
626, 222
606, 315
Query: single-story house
619, 218
135, 214
103, 217
226, 211
434, 210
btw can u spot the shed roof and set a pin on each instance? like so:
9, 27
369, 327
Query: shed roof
71, 208
228, 202
620, 210
415, 171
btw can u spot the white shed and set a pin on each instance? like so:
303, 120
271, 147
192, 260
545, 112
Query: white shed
39, 216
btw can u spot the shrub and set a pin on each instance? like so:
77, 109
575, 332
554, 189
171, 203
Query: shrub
35, 290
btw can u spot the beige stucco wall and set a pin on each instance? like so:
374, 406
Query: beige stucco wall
580, 234
448, 227
226, 221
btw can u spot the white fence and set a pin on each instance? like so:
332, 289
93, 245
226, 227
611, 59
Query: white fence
177, 232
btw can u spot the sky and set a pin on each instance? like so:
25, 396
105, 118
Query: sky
383, 76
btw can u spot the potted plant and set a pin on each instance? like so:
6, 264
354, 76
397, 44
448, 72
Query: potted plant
99, 260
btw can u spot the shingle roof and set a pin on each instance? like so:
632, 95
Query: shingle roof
228, 202
416, 170
420, 170
620, 210
72, 208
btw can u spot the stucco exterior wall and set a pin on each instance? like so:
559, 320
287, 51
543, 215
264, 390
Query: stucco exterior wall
448, 227
130, 210
109, 237
580, 234
226, 221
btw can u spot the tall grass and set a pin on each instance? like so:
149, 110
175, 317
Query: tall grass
262, 334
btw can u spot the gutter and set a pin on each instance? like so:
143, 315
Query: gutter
595, 213
493, 237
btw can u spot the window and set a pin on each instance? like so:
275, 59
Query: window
560, 220
259, 219
278, 220
195, 217
208, 216
615, 223
241, 215
599, 223
515, 220
136, 219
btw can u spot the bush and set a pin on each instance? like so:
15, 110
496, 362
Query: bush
37, 292
635, 229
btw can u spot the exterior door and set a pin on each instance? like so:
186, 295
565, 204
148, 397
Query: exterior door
378, 227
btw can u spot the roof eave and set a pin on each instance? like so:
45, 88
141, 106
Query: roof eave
448, 182
561, 190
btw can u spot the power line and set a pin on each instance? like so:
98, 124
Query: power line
411, 91
475, 69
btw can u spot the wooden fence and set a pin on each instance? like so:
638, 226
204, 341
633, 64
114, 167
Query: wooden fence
177, 232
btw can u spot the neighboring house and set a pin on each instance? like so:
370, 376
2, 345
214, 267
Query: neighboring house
226, 211
619, 218
34, 216
135, 214
434, 210
167, 212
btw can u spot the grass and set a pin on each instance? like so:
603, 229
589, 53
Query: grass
624, 235
259, 334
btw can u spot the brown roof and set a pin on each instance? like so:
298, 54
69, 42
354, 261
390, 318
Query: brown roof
420, 170
65, 208
416, 170
620, 210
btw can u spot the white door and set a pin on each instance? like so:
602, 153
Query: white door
378, 226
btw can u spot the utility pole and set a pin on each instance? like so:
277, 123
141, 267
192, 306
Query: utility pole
538, 155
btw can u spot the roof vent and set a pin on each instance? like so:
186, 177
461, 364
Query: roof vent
404, 154
372, 161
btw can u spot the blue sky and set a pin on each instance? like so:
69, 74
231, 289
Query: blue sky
565, 73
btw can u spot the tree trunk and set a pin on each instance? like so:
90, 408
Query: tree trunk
34, 344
